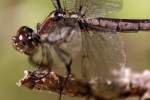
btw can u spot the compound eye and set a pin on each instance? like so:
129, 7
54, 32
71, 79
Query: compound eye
25, 31
21, 39
25, 40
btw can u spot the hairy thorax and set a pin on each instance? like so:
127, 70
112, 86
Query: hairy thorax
57, 29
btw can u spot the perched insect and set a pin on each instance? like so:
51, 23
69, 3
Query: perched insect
77, 31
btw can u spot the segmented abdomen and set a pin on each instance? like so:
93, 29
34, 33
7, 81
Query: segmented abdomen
120, 25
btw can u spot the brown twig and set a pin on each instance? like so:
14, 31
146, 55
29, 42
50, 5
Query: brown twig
126, 83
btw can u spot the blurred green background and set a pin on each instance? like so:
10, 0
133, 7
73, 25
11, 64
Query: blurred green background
15, 13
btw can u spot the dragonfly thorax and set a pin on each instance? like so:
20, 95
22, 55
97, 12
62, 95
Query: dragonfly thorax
58, 27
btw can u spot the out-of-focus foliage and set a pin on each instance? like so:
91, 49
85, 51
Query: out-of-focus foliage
15, 13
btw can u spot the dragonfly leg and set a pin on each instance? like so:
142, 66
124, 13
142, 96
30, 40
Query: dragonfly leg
31, 59
67, 60
46, 60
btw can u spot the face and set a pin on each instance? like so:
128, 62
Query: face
26, 40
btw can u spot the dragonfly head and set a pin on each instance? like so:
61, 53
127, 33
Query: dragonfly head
25, 40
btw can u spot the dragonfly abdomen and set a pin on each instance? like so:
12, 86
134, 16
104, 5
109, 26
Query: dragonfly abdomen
119, 25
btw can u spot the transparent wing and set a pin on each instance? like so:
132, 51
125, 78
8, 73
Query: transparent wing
57, 4
97, 8
72, 5
54, 2
90, 8
95, 54
69, 5
101, 53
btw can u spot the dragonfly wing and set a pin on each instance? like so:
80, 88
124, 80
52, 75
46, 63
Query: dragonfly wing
98, 8
90, 8
95, 54
54, 3
72, 5
101, 53
68, 5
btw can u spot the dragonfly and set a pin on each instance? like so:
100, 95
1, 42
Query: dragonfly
78, 32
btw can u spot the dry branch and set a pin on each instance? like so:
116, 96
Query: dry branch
126, 83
